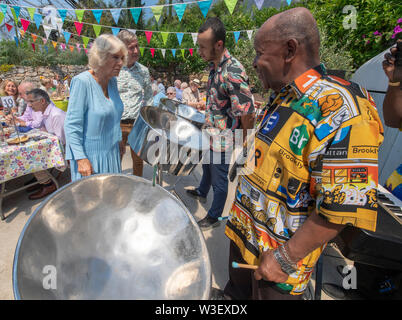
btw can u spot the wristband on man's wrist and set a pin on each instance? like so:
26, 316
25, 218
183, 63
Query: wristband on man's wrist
394, 84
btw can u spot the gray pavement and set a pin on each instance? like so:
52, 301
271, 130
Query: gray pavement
18, 208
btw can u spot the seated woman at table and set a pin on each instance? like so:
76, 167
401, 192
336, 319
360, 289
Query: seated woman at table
10, 88
92, 126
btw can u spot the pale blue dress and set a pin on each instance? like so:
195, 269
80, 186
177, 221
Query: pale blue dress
92, 125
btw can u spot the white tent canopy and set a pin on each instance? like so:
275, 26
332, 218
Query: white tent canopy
372, 77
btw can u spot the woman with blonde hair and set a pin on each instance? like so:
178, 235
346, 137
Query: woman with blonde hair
92, 125
10, 88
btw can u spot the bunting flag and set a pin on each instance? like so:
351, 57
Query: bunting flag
3, 7
47, 30
34, 37
62, 14
86, 51
33, 46
180, 8
250, 34
157, 11
164, 36
135, 12
78, 47
231, 4
16, 12
132, 30
142, 51
174, 52
204, 7
22, 32
289, 2
85, 41
9, 27
54, 43
71, 48
1, 17
115, 14
259, 3
191, 51
31, 12
44, 40
115, 31
16, 40
67, 36
194, 35
179, 37
97, 29
163, 53
78, 26
182, 52
152, 51
97, 14
236, 35
38, 20
80, 14
148, 35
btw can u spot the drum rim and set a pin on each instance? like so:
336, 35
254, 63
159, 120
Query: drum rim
208, 267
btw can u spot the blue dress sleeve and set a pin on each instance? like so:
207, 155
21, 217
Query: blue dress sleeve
75, 118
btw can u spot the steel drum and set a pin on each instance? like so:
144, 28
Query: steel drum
111, 237
159, 137
182, 110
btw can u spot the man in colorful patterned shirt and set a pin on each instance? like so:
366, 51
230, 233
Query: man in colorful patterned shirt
135, 90
316, 153
229, 106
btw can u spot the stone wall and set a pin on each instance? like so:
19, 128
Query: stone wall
33, 74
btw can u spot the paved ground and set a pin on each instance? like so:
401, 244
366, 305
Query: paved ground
18, 208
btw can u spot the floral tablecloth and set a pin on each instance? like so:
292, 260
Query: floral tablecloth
31, 156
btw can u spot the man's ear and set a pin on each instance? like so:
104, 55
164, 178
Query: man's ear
219, 44
292, 46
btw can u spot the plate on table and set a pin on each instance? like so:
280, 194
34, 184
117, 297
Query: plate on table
17, 140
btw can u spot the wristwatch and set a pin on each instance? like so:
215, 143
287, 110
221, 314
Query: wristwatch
285, 266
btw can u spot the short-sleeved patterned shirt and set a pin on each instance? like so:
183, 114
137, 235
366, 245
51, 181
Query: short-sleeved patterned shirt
228, 97
135, 89
315, 149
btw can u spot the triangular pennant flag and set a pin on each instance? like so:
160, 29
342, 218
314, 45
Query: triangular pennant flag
3, 7
142, 51
1, 17
54, 44
16, 12
67, 36
163, 53
85, 41
259, 3
180, 8
157, 11
47, 30
62, 14
135, 12
78, 26
97, 14
38, 20
164, 36
47, 49
148, 34
231, 4
16, 40
182, 52
80, 14
63, 46
33, 46
152, 51
31, 12
59, 24
97, 29
132, 30
34, 37
115, 31
78, 47
174, 52
191, 51
194, 35
71, 48
9, 27
289, 2
22, 32
204, 6
86, 51
236, 35
250, 34
179, 37
115, 14
44, 40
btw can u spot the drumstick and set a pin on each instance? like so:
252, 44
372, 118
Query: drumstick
244, 266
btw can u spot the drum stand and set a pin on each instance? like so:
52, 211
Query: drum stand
172, 188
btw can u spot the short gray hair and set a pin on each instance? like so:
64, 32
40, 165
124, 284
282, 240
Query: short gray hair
171, 89
27, 85
39, 94
103, 46
126, 36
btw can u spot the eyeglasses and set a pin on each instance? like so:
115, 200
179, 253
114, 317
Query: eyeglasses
170, 93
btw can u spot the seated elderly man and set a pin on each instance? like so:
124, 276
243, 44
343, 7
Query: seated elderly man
171, 93
191, 95
53, 122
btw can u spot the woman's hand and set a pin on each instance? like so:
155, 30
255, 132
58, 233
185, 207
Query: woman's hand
85, 167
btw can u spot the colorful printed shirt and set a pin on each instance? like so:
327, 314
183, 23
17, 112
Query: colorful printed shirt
228, 97
135, 89
316, 149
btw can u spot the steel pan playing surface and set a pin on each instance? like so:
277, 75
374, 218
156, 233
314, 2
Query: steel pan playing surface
111, 237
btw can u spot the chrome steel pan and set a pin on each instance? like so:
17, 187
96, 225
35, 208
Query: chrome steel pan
182, 110
160, 137
111, 237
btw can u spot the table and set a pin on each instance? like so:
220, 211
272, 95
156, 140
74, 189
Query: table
29, 157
